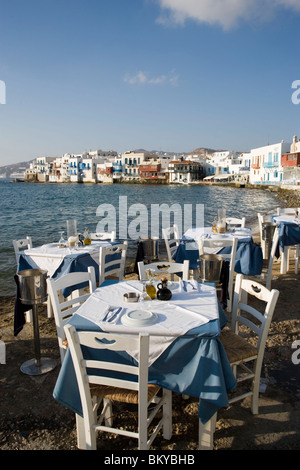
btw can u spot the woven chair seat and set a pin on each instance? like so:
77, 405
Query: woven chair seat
121, 394
237, 348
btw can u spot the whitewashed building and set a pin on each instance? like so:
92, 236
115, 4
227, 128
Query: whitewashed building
266, 165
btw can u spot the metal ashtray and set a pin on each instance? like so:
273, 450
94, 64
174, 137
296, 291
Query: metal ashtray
131, 297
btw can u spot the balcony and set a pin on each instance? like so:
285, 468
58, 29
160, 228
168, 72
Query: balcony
255, 166
270, 164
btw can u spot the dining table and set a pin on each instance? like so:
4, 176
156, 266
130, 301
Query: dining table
289, 235
249, 256
186, 355
58, 261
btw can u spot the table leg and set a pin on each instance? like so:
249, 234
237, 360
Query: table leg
206, 433
49, 308
284, 258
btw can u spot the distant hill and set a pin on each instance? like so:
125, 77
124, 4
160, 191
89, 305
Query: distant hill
203, 150
14, 168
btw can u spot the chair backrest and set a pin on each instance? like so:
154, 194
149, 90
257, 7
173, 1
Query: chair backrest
21, 245
163, 268
172, 239
233, 221
63, 308
249, 316
271, 258
108, 373
288, 210
219, 244
112, 261
104, 236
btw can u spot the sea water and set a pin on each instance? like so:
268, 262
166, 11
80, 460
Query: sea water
40, 210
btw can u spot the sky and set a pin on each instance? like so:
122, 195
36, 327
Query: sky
168, 75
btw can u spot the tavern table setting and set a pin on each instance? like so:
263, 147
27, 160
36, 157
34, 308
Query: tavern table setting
186, 355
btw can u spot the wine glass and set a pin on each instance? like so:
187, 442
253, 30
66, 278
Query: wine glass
62, 241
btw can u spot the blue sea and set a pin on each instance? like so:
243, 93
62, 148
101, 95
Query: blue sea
41, 211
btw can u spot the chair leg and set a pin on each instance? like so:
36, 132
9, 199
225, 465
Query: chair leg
80, 432
297, 259
86, 435
255, 394
167, 414
206, 433
142, 426
107, 405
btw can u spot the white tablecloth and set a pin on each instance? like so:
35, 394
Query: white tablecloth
50, 256
286, 218
184, 311
206, 232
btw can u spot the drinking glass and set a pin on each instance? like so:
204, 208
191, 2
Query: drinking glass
71, 228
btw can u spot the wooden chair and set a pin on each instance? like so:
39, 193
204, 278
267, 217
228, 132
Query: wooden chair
100, 387
172, 240
64, 308
268, 278
220, 244
21, 245
104, 236
241, 352
291, 211
261, 219
235, 222
112, 260
163, 268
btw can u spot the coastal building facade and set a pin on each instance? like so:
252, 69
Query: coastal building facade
185, 171
272, 164
266, 165
291, 163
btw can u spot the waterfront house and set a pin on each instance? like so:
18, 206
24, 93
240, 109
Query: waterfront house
185, 171
131, 162
291, 164
266, 165
154, 171
39, 169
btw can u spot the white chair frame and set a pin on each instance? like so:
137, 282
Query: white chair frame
171, 237
21, 245
270, 298
88, 425
261, 219
222, 243
271, 259
64, 308
104, 236
286, 255
243, 288
117, 267
163, 268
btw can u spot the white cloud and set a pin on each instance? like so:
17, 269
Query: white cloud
144, 78
226, 13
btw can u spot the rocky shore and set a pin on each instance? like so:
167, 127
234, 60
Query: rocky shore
30, 418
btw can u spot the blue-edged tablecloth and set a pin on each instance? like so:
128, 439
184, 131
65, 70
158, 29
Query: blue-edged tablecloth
194, 364
78, 261
289, 231
249, 257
